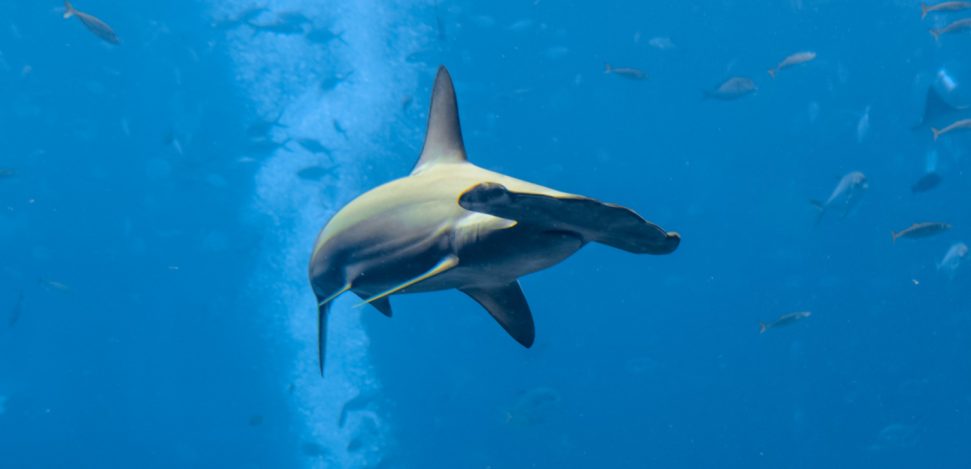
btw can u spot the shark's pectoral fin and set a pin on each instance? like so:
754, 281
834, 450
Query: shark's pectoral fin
604, 223
445, 264
508, 306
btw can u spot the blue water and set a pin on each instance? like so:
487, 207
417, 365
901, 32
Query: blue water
158, 224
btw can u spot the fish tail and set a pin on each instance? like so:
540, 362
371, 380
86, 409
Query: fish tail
923, 10
70, 11
772, 72
607, 68
937, 133
936, 33
893, 237
763, 327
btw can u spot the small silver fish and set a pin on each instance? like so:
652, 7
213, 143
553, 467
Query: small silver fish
921, 230
18, 308
863, 126
95, 25
956, 255
532, 407
792, 60
661, 43
733, 88
958, 25
55, 285
626, 72
961, 124
943, 6
784, 320
847, 194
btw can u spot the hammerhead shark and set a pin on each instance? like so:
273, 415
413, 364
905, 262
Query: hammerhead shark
451, 224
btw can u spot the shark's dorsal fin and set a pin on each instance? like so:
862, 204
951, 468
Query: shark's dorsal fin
443, 138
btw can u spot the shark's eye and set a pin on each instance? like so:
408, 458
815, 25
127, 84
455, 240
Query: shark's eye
483, 194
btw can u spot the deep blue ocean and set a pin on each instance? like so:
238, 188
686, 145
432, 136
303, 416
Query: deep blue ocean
159, 200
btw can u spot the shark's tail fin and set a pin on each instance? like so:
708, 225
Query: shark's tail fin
69, 10
772, 72
923, 10
894, 236
936, 33
608, 68
763, 327
936, 132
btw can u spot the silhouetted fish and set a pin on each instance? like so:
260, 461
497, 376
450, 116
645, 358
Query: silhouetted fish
260, 129
921, 230
926, 183
936, 107
331, 82
784, 320
356, 403
312, 449
324, 36
792, 60
95, 25
314, 173
243, 17
290, 22
313, 146
733, 88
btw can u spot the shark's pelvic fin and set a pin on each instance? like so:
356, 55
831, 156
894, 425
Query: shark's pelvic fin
609, 224
443, 139
444, 265
508, 306
383, 305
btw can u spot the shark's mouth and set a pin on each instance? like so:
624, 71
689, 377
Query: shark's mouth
336, 74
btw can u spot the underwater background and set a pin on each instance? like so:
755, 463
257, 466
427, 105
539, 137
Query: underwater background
159, 199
